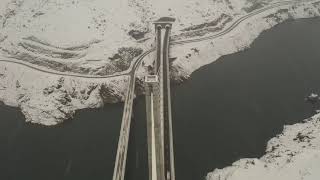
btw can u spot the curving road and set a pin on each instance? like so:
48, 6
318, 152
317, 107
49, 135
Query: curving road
134, 66
121, 157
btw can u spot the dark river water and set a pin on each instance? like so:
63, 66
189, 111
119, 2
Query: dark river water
226, 111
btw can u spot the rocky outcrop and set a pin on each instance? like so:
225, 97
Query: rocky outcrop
110, 95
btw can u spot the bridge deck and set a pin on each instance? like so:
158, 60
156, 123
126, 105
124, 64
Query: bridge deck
159, 118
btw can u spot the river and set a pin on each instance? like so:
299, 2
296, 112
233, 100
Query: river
226, 111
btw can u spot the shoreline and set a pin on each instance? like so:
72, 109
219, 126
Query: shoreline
237, 40
52, 99
294, 154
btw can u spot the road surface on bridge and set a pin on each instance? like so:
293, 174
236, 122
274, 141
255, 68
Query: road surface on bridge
167, 118
121, 157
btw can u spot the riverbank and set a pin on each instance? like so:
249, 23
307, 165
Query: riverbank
292, 155
230, 109
75, 150
190, 57
50, 99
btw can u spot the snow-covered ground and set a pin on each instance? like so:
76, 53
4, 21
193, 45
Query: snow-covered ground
188, 60
48, 99
292, 155
103, 37
98, 37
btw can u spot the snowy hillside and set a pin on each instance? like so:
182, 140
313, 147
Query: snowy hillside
82, 40
87, 37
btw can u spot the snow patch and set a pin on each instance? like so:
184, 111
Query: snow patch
292, 155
